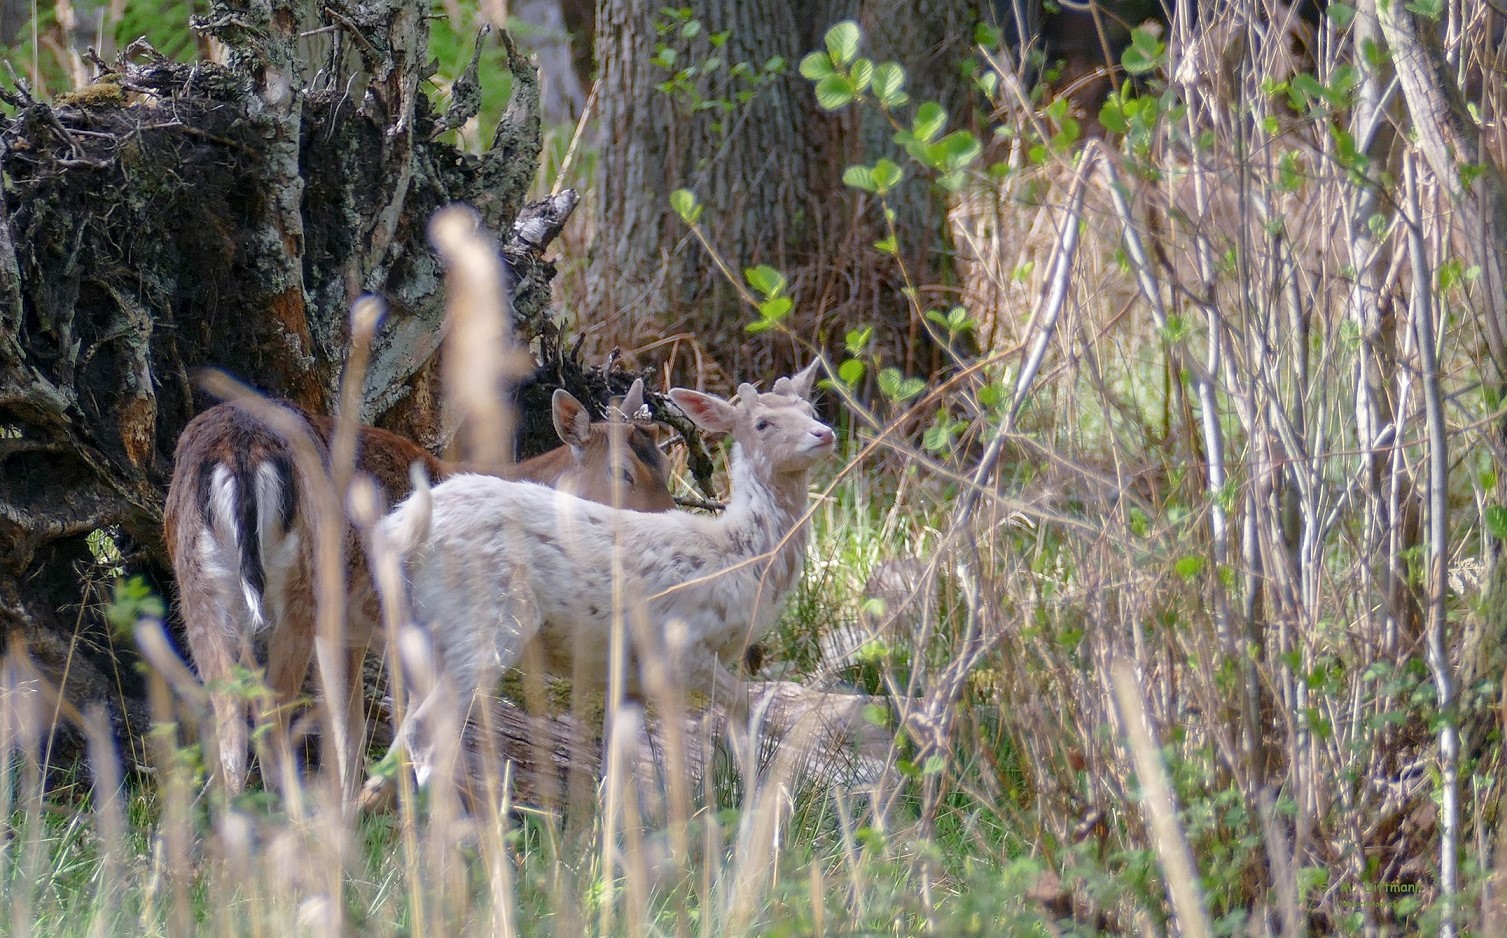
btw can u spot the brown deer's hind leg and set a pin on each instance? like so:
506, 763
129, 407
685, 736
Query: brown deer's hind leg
289, 649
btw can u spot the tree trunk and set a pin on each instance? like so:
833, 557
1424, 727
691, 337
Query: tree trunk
174, 216
743, 160
561, 96
768, 171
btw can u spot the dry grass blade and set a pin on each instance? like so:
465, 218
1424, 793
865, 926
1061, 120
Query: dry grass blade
109, 819
480, 359
1156, 798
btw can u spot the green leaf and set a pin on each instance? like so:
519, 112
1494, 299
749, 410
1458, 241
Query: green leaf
1137, 62
690, 30
1449, 274
858, 339
816, 66
894, 385
888, 245
1305, 83
850, 372
1428, 9
1146, 40
758, 326
834, 92
1112, 116
1496, 522
861, 74
954, 151
886, 175
683, 201
859, 176
928, 122
765, 279
933, 765
889, 78
773, 310
1145, 52
1069, 134
1340, 13
132, 600
1290, 175
1190, 566
955, 320
842, 42
939, 436
1345, 80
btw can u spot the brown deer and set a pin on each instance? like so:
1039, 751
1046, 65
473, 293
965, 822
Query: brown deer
239, 533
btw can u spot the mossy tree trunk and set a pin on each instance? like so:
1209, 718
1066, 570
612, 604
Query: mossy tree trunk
175, 216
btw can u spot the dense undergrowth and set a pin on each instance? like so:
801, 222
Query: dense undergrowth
1214, 455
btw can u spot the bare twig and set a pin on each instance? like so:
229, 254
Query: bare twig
1422, 315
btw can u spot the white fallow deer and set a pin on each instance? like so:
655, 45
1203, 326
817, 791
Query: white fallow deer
239, 533
496, 566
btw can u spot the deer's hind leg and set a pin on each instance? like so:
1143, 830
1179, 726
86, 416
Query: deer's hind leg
214, 641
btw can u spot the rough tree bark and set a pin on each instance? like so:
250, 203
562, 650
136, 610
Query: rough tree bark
747, 165
173, 216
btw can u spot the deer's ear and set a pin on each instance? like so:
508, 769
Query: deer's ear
748, 395
801, 382
633, 401
572, 421
707, 412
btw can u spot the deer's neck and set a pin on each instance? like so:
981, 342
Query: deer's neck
765, 516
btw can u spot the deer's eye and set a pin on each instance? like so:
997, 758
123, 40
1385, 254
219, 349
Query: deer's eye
623, 474
762, 425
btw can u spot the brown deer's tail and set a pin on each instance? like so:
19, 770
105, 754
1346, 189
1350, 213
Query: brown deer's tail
249, 507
